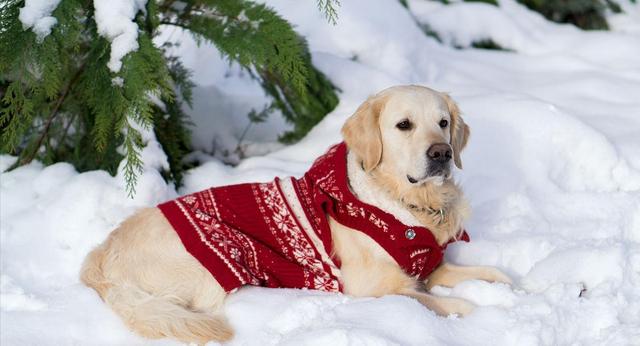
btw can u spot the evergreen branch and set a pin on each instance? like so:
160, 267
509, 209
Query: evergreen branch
255, 117
61, 103
328, 7
133, 163
66, 130
52, 115
176, 24
252, 35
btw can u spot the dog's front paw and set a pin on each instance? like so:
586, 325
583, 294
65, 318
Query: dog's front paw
495, 275
446, 306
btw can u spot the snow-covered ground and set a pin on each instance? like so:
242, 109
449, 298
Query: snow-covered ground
552, 172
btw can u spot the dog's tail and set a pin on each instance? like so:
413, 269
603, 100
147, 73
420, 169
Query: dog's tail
157, 317
149, 315
91, 273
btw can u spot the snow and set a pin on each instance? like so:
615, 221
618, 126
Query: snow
552, 172
36, 14
224, 94
114, 19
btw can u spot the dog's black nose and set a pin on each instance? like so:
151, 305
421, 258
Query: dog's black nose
440, 153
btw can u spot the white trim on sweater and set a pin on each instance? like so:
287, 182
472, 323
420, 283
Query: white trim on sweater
292, 198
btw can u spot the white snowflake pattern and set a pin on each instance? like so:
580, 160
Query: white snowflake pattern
418, 265
189, 199
378, 222
288, 231
235, 253
212, 228
325, 283
200, 215
355, 211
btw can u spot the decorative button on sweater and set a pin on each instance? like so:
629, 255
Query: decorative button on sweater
410, 234
276, 234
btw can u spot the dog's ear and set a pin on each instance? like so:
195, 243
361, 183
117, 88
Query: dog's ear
459, 131
362, 134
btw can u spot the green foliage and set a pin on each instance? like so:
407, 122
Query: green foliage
489, 44
490, 2
328, 7
428, 30
171, 126
255, 117
60, 102
305, 107
248, 33
486, 43
585, 14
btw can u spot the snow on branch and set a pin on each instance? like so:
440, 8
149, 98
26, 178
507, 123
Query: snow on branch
36, 14
114, 19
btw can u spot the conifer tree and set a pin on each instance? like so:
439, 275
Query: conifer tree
67, 94
585, 14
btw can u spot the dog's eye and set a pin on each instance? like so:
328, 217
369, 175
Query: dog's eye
443, 123
404, 125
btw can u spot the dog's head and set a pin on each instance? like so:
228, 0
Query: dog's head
412, 133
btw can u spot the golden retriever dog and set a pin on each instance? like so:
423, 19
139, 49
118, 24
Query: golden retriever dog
402, 144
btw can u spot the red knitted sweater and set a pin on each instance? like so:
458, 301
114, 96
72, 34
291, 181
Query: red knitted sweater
276, 234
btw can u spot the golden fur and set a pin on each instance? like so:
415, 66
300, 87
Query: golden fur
439, 207
147, 277
159, 290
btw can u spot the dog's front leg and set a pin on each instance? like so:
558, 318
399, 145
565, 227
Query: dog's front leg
449, 275
442, 306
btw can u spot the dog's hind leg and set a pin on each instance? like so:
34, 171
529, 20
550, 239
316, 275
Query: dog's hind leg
159, 290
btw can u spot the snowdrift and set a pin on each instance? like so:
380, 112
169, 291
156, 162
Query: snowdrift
552, 172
